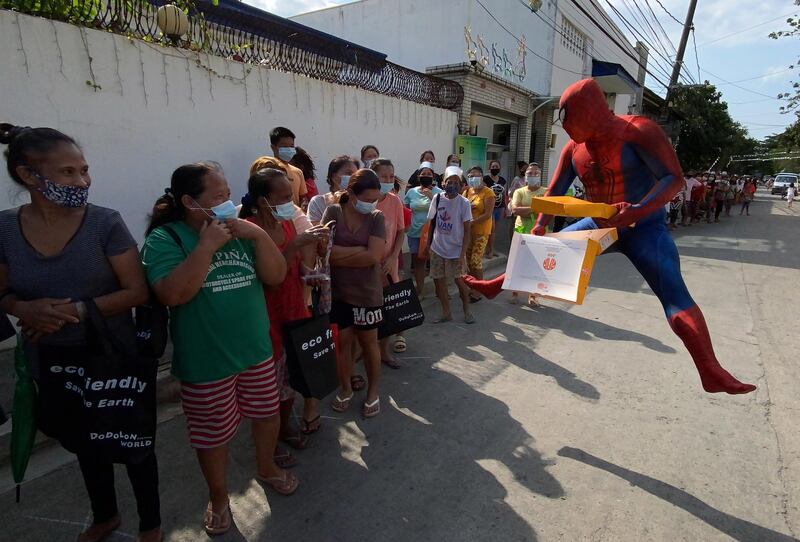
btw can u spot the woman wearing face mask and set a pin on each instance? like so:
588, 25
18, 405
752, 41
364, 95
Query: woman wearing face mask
268, 204
521, 207
498, 185
213, 283
300, 219
427, 157
519, 180
481, 200
55, 253
418, 200
359, 243
339, 171
392, 209
368, 154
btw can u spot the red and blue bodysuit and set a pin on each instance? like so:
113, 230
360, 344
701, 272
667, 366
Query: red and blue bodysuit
628, 162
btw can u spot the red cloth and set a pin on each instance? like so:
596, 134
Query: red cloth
407, 216
286, 302
311, 186
699, 192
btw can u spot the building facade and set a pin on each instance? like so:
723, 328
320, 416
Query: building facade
500, 52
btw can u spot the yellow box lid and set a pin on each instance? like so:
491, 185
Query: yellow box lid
569, 206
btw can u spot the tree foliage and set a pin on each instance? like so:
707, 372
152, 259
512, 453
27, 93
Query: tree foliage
792, 96
708, 131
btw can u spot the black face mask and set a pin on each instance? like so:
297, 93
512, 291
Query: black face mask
495, 171
426, 181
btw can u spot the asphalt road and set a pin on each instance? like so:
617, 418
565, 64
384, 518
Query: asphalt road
561, 423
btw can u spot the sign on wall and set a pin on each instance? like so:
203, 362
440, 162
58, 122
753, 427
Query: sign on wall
471, 151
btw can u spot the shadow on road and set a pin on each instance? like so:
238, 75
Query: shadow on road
736, 528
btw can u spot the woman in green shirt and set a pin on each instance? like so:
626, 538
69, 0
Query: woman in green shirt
208, 267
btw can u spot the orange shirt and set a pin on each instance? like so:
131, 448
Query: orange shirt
476, 200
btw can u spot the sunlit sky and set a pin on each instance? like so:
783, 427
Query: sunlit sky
733, 45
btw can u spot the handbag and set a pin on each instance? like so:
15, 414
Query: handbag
426, 234
98, 398
311, 348
401, 308
152, 318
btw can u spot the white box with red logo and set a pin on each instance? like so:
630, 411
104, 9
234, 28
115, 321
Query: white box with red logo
557, 265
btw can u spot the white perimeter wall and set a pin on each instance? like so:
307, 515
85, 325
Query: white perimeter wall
160, 107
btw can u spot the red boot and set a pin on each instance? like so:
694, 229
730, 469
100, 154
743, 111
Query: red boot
489, 288
691, 327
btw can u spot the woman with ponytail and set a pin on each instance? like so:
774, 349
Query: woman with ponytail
56, 253
212, 281
358, 247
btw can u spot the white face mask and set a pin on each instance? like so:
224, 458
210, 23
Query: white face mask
533, 181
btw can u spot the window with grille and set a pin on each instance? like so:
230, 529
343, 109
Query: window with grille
572, 38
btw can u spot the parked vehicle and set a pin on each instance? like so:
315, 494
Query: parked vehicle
782, 182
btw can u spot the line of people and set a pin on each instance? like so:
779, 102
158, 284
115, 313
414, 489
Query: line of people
235, 278
708, 196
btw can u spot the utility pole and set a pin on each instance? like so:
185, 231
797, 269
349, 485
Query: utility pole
676, 68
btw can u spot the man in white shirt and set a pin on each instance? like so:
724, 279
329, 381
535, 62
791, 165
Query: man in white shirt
453, 214
689, 206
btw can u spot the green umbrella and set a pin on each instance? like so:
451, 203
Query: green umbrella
23, 416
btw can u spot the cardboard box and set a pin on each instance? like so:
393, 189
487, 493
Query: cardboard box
557, 266
569, 206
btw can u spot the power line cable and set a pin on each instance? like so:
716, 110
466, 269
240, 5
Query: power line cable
638, 35
660, 26
696, 57
520, 41
726, 36
768, 74
741, 87
648, 25
674, 18
609, 36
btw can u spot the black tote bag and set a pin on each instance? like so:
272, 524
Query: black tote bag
401, 308
310, 346
98, 399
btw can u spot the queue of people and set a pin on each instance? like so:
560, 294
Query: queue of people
708, 195
206, 257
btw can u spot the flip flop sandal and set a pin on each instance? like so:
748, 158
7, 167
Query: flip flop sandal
393, 363
399, 345
101, 535
283, 485
341, 405
297, 441
357, 383
473, 299
469, 318
215, 524
443, 319
284, 459
370, 410
309, 427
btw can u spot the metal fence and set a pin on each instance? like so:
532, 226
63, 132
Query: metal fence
240, 32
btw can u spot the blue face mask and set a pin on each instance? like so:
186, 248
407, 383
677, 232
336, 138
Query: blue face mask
283, 212
286, 153
368, 163
224, 211
63, 195
365, 207
386, 187
474, 182
344, 180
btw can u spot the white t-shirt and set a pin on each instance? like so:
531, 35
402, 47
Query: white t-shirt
448, 237
691, 182
790, 192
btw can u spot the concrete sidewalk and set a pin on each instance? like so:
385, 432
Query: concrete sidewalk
561, 423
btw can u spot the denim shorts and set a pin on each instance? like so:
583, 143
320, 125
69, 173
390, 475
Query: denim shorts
413, 245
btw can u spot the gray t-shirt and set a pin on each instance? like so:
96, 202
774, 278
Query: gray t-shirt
80, 271
359, 286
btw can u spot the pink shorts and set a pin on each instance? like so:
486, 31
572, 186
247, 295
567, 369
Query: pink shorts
214, 409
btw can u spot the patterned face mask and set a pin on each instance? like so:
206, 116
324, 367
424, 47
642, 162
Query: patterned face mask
63, 195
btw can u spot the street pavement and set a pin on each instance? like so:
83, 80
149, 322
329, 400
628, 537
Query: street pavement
560, 423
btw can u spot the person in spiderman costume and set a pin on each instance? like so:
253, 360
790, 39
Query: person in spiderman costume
628, 162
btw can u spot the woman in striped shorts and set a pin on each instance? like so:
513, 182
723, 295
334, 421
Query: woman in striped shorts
208, 267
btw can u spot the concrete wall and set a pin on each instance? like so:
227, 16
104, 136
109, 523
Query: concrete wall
154, 108
598, 46
423, 33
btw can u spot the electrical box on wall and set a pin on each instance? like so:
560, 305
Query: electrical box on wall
553, 139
